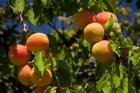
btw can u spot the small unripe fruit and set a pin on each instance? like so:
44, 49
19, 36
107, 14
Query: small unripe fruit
19, 54
41, 81
104, 16
102, 52
39, 89
24, 75
83, 18
37, 42
116, 26
94, 32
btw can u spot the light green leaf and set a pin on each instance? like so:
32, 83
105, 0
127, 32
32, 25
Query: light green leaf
135, 55
17, 5
40, 63
125, 85
107, 87
45, 2
115, 46
31, 16
50, 89
116, 81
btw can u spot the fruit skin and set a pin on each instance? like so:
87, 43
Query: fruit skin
104, 16
19, 54
39, 89
83, 18
24, 75
102, 52
37, 80
94, 32
37, 42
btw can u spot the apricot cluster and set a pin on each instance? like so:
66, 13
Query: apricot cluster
94, 27
20, 55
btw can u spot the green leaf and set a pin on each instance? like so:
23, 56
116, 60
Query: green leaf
103, 84
116, 80
40, 63
135, 55
115, 45
76, 89
17, 5
44, 2
125, 85
31, 16
108, 5
50, 89
108, 26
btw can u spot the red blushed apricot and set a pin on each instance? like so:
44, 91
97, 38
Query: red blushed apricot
102, 52
83, 18
37, 42
19, 54
24, 75
39, 89
94, 32
104, 16
41, 81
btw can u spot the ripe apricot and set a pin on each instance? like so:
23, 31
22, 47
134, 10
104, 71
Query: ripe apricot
19, 54
24, 74
83, 18
37, 42
41, 81
39, 89
102, 52
94, 32
104, 16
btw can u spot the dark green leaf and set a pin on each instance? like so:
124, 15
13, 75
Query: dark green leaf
63, 73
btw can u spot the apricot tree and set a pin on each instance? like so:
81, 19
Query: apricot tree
85, 51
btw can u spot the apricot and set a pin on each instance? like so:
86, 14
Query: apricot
41, 81
83, 18
94, 32
39, 89
24, 75
37, 42
19, 54
104, 16
102, 52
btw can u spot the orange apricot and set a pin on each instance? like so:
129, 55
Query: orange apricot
41, 81
94, 32
19, 54
39, 89
24, 75
102, 52
83, 18
37, 42
104, 16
